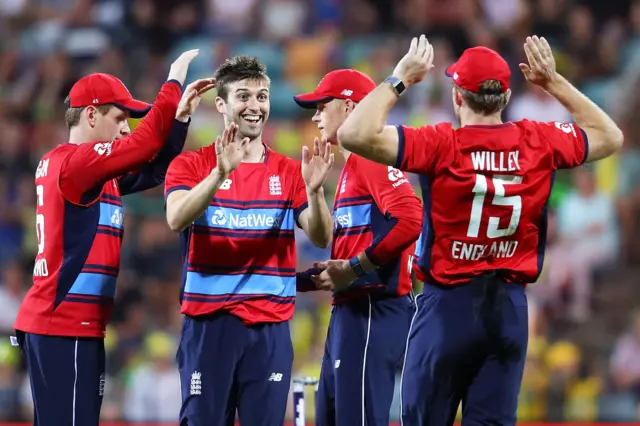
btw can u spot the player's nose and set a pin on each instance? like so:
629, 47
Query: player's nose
316, 117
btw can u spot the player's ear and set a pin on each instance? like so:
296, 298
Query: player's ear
507, 94
349, 105
91, 114
221, 105
457, 97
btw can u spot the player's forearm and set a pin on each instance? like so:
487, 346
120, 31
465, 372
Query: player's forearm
320, 223
404, 233
184, 210
153, 173
605, 137
99, 162
367, 120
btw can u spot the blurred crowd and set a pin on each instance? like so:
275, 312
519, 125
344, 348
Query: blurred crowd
584, 353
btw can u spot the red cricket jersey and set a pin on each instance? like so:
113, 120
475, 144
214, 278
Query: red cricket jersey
485, 193
376, 211
240, 254
79, 224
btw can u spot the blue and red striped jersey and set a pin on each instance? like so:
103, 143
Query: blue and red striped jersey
240, 254
485, 194
376, 211
79, 221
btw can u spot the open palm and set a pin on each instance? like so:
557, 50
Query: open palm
316, 167
229, 151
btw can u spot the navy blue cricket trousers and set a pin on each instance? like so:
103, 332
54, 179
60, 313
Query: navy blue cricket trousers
226, 366
67, 378
467, 344
363, 352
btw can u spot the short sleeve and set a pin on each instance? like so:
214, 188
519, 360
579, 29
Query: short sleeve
568, 143
300, 202
182, 174
418, 147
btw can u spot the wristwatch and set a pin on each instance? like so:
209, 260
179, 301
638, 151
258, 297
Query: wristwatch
396, 83
356, 266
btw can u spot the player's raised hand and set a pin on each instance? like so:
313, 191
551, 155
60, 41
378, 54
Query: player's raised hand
180, 66
336, 275
417, 63
316, 166
541, 69
229, 151
192, 96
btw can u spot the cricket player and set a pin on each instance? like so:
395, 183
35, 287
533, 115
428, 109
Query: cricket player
377, 219
62, 320
235, 204
486, 186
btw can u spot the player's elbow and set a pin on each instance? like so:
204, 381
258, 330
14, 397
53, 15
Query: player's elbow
604, 142
175, 222
351, 136
322, 240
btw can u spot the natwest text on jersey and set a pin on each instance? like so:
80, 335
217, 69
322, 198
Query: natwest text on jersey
503, 249
496, 161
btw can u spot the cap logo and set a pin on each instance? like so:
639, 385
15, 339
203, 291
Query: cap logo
95, 101
455, 75
346, 92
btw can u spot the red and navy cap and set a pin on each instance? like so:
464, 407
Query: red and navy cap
477, 65
101, 89
338, 84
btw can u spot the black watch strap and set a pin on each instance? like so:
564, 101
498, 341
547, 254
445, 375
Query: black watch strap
396, 83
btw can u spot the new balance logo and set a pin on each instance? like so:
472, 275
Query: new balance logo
101, 384
346, 92
196, 383
336, 363
275, 377
226, 184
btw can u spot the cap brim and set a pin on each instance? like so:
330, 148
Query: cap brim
136, 108
310, 100
450, 70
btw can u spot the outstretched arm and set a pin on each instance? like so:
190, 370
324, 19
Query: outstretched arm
365, 132
604, 136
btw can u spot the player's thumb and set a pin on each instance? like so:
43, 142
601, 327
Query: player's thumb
320, 265
306, 155
525, 70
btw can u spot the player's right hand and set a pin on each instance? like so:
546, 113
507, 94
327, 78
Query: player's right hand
541, 70
180, 66
229, 151
417, 63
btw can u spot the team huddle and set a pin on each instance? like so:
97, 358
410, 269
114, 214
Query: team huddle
476, 240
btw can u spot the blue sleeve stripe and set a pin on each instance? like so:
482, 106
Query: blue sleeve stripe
401, 146
176, 188
215, 285
586, 145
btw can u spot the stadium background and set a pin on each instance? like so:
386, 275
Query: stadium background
584, 355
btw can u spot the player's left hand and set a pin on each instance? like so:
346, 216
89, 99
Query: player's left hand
417, 63
192, 96
336, 275
316, 167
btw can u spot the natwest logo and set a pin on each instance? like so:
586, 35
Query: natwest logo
245, 221
342, 220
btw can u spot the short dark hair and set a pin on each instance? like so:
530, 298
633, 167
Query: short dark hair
72, 115
490, 99
238, 68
